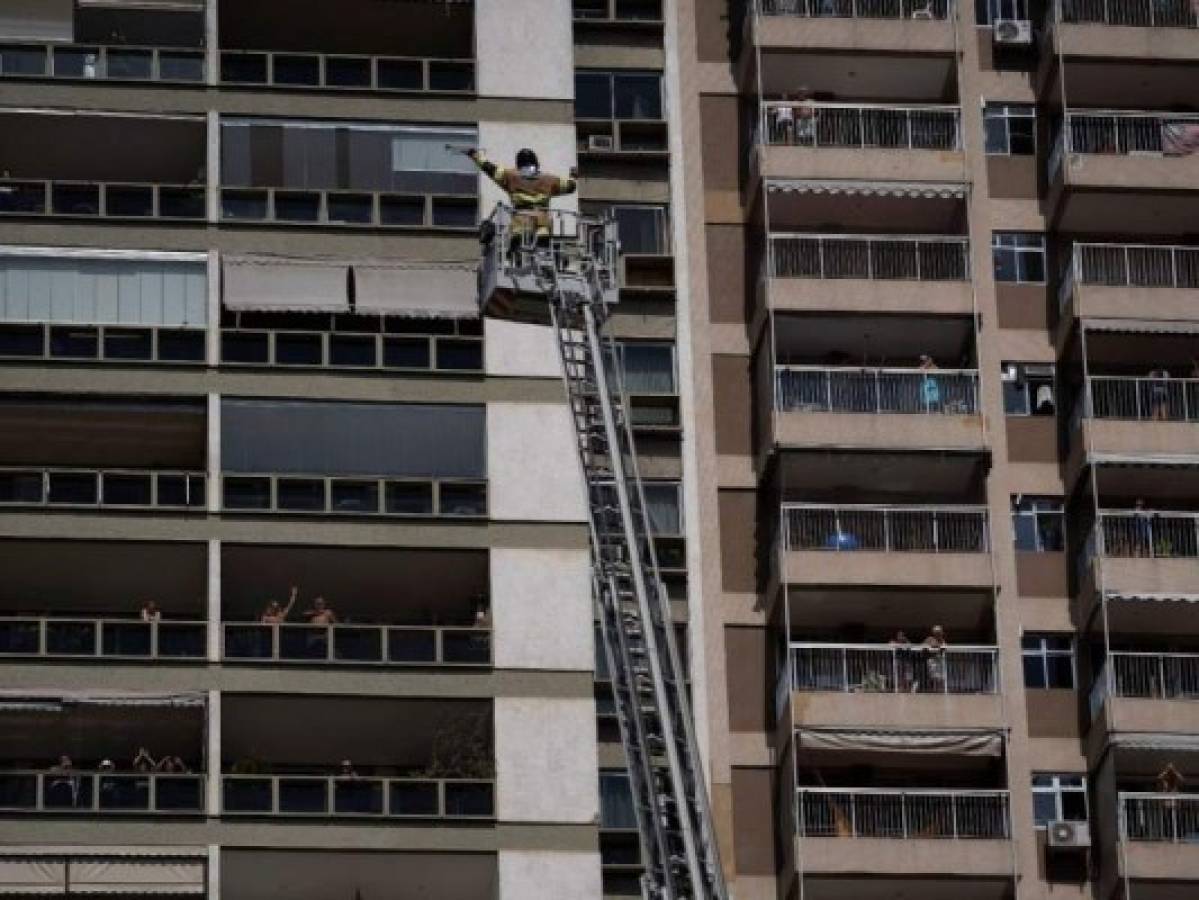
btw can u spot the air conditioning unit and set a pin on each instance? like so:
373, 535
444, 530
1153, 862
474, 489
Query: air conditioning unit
601, 142
1012, 31
1064, 835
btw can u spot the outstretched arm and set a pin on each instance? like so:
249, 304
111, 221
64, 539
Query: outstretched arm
486, 166
569, 184
295, 592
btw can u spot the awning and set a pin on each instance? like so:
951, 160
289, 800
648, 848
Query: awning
960, 743
919, 189
1145, 461
37, 20
26, 875
419, 290
1141, 740
136, 876
1144, 597
1140, 326
146, 5
278, 284
46, 700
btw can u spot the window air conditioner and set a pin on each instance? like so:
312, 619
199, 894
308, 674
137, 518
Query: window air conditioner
1012, 31
601, 142
1064, 835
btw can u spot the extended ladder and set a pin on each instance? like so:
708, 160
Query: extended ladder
573, 275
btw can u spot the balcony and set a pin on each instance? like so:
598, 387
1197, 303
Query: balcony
1158, 833
357, 796
100, 62
852, 141
357, 644
640, 14
1147, 691
1126, 29
1131, 281
102, 639
844, 684
1147, 553
84, 793
347, 73
870, 273
903, 545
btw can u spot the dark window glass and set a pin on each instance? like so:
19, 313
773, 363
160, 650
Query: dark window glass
465, 355
637, 96
23, 61
21, 487
593, 95
180, 66
463, 499
243, 68
406, 353
297, 70
351, 209
342, 71
355, 496
74, 343
181, 346
409, 498
20, 340
297, 349
293, 206
128, 489
245, 347
243, 205
451, 76
346, 350
129, 201
72, 487
401, 75
301, 494
130, 63
247, 493
128, 343
397, 210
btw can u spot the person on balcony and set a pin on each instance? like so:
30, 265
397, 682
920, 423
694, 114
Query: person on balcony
905, 665
933, 649
144, 762
930, 385
1159, 394
151, 612
528, 188
275, 613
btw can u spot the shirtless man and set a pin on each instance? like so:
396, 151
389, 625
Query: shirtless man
320, 614
275, 614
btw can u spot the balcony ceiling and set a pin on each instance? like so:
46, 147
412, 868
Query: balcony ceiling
874, 340
835, 213
900, 888
1161, 486
1124, 209
845, 77
101, 577
1125, 353
314, 875
882, 476
1150, 618
966, 615
1110, 84
90, 733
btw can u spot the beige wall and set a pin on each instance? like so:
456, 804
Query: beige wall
502, 39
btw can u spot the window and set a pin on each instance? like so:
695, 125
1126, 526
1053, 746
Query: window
1058, 797
987, 11
664, 506
1048, 660
1019, 257
1039, 523
1010, 129
618, 95
643, 227
648, 368
1029, 389
616, 801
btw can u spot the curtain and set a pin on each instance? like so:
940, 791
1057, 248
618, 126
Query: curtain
103, 291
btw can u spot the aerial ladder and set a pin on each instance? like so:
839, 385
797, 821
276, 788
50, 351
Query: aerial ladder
569, 279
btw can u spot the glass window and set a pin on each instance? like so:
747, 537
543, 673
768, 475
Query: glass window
1029, 389
619, 95
1057, 797
664, 506
987, 11
616, 801
648, 368
644, 228
1039, 523
1011, 129
1019, 257
593, 95
1048, 660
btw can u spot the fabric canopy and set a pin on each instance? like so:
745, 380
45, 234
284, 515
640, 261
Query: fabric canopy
1140, 326
961, 743
276, 284
151, 5
1154, 741
441, 290
25, 875
941, 190
1147, 597
25, 700
37, 20
136, 876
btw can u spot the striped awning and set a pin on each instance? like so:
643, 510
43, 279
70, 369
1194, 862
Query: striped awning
1144, 740
1145, 597
916, 189
1140, 326
1145, 460
46, 700
961, 742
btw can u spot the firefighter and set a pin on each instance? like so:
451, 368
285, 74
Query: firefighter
529, 189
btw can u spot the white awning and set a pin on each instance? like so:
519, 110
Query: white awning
147, 5
32, 875
918, 189
1140, 326
419, 290
136, 876
1145, 460
48, 700
1145, 597
960, 743
278, 284
1143, 740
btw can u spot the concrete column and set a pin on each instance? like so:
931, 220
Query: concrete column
212, 49
502, 36
214, 867
214, 453
214, 166
524, 584
213, 754
533, 481
212, 351
214, 601
543, 875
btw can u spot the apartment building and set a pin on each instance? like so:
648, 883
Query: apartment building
937, 329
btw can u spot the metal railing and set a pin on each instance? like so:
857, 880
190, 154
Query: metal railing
76, 792
379, 209
327, 495
347, 71
856, 9
1154, 676
105, 638
889, 669
118, 344
1143, 398
883, 257
93, 199
1127, 133
362, 644
332, 795
875, 390
1149, 533
1167, 818
95, 488
811, 124
1136, 265
918, 529
1137, 13
97, 62
903, 814
286, 349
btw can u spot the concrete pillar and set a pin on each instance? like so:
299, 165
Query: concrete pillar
533, 481
212, 49
212, 755
213, 157
212, 349
524, 584
543, 875
214, 453
214, 872
502, 35
215, 628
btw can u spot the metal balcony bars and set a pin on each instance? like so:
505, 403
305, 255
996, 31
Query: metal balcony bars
1143, 398
919, 529
872, 257
1150, 534
856, 9
903, 814
1136, 265
1135, 13
1167, 818
890, 669
1126, 133
1153, 676
804, 123
877, 390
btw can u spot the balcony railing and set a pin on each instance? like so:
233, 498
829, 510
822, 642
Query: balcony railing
1166, 818
1136, 265
84, 793
101, 638
1137, 13
881, 257
1155, 676
1149, 534
93, 488
352, 208
106, 200
912, 529
354, 496
902, 814
809, 124
1131, 133
887, 669
287, 349
96, 62
118, 344
856, 9
347, 72
1154, 399
871, 390
358, 644
383, 798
